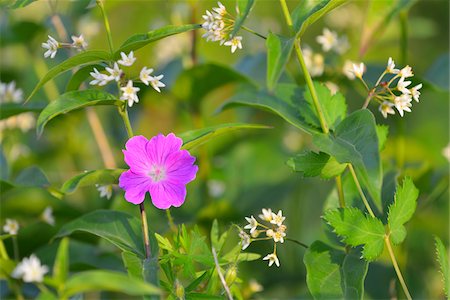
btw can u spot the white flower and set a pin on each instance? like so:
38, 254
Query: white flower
446, 152
30, 270
415, 92
266, 215
341, 45
99, 78
220, 11
255, 233
245, 239
277, 218
216, 188
406, 72
386, 108
79, 42
209, 21
333, 87
145, 75
402, 84
403, 103
235, 43
270, 232
156, 83
47, 216
391, 67
127, 60
114, 73
359, 70
8, 92
52, 46
347, 69
278, 236
328, 39
254, 286
105, 191
129, 93
314, 62
11, 227
252, 224
272, 258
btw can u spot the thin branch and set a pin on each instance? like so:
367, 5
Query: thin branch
222, 279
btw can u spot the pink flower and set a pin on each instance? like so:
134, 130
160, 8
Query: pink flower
159, 167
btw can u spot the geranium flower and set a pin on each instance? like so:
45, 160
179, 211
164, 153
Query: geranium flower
159, 167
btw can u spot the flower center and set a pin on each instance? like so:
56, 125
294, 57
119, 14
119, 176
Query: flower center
157, 173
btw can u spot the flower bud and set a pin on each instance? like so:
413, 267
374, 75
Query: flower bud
179, 290
231, 275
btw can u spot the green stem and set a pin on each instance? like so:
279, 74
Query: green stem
16, 248
297, 242
171, 222
254, 32
286, 13
126, 120
387, 241
108, 29
361, 193
340, 191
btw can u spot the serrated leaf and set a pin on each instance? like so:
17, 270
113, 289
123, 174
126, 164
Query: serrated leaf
355, 141
312, 164
140, 40
11, 109
401, 211
91, 178
309, 11
334, 107
164, 243
85, 57
74, 100
190, 84
243, 8
382, 133
279, 51
442, 258
119, 228
197, 137
286, 101
357, 229
100, 280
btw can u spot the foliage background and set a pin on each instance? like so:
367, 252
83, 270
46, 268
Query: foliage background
250, 166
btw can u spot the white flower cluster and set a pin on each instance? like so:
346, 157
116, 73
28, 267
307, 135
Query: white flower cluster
218, 25
330, 41
53, 45
30, 270
11, 227
275, 230
9, 93
395, 92
129, 92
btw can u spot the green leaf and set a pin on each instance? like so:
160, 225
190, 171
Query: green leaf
164, 243
81, 75
21, 3
197, 137
312, 164
309, 11
355, 141
100, 280
357, 229
190, 84
46, 295
437, 74
119, 228
71, 101
279, 51
243, 9
91, 178
61, 266
323, 276
140, 40
85, 57
286, 101
32, 177
442, 258
354, 271
382, 133
333, 106
401, 211
11, 109
196, 282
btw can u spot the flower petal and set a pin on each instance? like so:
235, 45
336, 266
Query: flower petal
180, 168
135, 186
136, 155
160, 146
167, 194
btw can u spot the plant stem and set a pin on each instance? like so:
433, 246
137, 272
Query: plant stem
297, 242
286, 13
108, 29
361, 193
222, 279
254, 32
387, 241
340, 190
124, 114
100, 137
170, 219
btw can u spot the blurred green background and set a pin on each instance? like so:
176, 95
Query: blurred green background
242, 172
